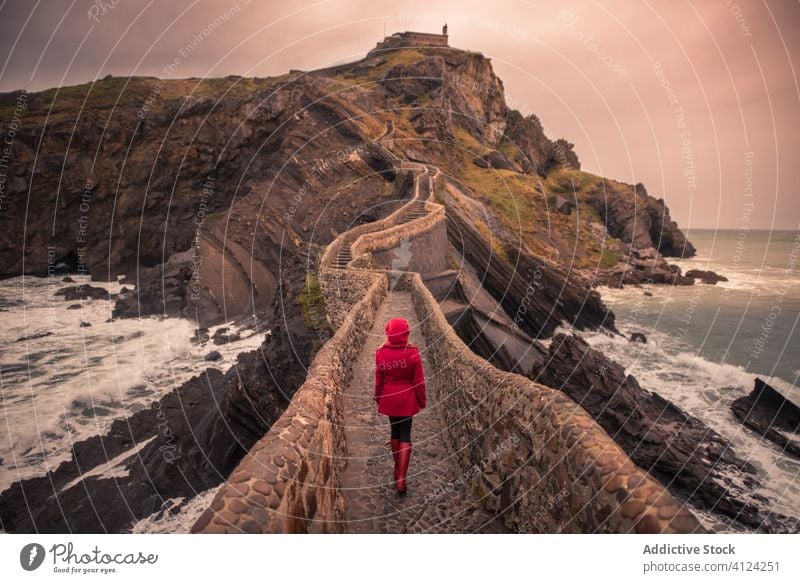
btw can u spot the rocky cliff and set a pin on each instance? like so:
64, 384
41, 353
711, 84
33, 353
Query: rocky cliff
210, 186
119, 176
214, 198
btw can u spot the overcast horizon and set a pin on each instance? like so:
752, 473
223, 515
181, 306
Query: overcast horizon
683, 98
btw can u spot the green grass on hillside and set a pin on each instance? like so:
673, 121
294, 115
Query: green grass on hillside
496, 244
406, 57
570, 180
525, 205
135, 92
609, 258
312, 306
471, 147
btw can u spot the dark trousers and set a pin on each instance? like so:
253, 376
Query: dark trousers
401, 428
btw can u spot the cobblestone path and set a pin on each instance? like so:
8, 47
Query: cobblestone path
438, 499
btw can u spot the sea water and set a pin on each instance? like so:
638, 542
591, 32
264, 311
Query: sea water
707, 343
68, 374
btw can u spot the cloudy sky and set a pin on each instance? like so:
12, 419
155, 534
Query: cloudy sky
682, 96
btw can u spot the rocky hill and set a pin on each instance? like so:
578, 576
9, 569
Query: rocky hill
214, 198
124, 174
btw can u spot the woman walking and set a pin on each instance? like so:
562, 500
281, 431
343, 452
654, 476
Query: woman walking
399, 392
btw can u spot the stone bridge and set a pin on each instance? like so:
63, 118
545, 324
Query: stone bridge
493, 451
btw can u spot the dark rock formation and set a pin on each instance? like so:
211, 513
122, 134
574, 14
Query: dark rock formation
641, 266
537, 296
200, 336
563, 205
639, 337
690, 458
632, 215
494, 159
198, 434
34, 336
84, 292
411, 81
772, 415
530, 148
212, 356
708, 277
664, 232
161, 290
475, 96
223, 336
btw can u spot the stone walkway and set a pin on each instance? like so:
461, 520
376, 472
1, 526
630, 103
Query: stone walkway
438, 498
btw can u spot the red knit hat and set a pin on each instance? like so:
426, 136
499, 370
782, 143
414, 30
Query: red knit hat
397, 331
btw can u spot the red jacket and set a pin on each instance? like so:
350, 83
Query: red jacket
399, 378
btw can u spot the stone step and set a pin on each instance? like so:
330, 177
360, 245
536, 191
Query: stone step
410, 218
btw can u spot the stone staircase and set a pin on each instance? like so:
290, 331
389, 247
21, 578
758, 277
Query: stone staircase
343, 257
417, 211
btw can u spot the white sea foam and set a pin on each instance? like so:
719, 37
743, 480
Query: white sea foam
705, 390
112, 469
74, 382
177, 514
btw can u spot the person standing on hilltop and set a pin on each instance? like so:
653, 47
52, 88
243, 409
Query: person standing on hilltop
399, 392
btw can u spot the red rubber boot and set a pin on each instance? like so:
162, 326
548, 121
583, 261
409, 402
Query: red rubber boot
395, 449
403, 457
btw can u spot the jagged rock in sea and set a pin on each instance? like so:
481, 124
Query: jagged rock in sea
636, 218
84, 292
641, 266
690, 458
708, 277
34, 336
767, 412
164, 290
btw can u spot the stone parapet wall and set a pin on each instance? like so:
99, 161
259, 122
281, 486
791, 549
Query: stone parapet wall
395, 236
532, 453
348, 237
343, 289
424, 252
289, 481
442, 283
